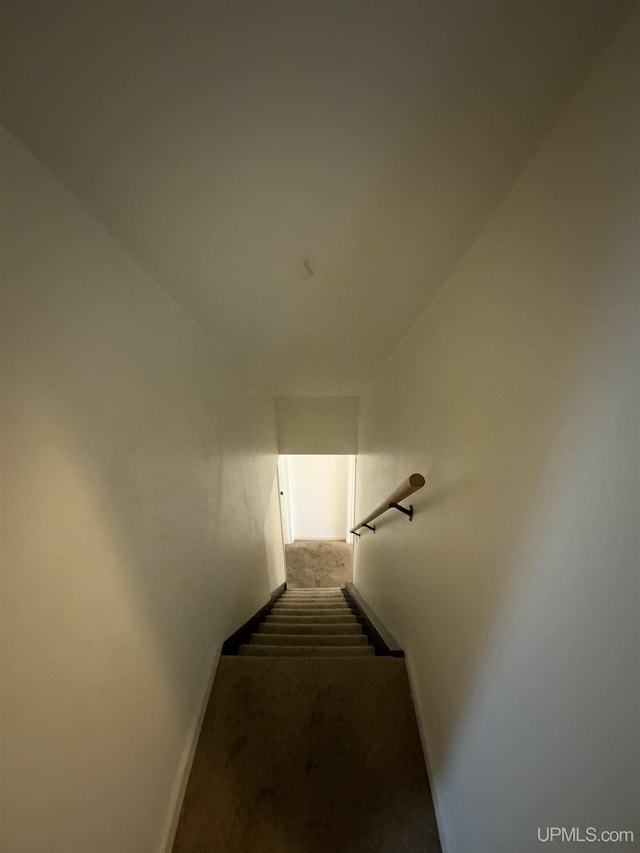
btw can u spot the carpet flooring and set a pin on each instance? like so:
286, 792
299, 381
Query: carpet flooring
318, 563
308, 755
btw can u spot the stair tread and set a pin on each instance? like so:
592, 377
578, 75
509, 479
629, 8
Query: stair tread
306, 599
306, 589
313, 593
319, 611
323, 601
285, 639
286, 597
309, 619
312, 598
305, 602
306, 651
310, 611
310, 628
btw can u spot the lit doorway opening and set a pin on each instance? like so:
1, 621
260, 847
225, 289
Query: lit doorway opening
317, 495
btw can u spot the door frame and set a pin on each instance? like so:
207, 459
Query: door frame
351, 497
286, 504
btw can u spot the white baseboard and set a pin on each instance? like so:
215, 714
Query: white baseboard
445, 836
377, 623
179, 787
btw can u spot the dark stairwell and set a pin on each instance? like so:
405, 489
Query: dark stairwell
309, 742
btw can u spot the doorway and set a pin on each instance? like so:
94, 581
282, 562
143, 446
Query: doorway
317, 495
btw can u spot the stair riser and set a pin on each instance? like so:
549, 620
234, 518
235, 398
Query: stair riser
317, 602
279, 628
294, 599
312, 611
315, 593
304, 620
319, 593
309, 639
311, 599
298, 599
323, 590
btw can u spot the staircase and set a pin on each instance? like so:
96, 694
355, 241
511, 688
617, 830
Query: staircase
310, 623
309, 742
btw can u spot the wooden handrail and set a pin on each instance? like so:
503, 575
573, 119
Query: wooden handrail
411, 485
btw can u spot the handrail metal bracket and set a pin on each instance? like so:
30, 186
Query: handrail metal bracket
412, 484
356, 534
370, 527
403, 509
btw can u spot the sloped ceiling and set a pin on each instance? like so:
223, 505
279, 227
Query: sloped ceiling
301, 175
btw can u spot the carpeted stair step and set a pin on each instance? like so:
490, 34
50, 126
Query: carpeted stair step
305, 590
303, 620
310, 639
309, 628
315, 599
320, 602
313, 602
305, 599
311, 611
308, 600
306, 651
313, 754
313, 593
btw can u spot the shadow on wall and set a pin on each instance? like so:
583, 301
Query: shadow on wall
129, 511
136, 476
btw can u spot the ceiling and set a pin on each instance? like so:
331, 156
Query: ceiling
301, 175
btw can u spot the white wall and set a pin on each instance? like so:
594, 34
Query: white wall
515, 590
317, 424
318, 496
137, 467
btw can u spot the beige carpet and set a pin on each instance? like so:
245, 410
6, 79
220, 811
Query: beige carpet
318, 563
304, 755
